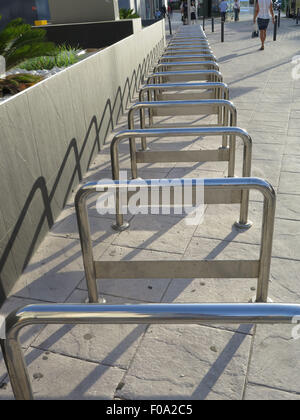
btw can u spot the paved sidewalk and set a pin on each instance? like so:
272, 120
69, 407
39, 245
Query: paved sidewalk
183, 362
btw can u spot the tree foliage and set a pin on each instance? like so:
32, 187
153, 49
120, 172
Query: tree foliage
19, 42
128, 14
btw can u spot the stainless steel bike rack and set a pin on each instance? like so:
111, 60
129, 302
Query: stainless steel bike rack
223, 109
75, 314
192, 91
183, 44
187, 51
190, 37
175, 47
216, 191
186, 65
222, 154
186, 57
185, 76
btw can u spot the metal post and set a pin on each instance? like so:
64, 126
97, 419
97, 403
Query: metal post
170, 26
203, 22
297, 16
275, 29
222, 30
189, 11
278, 18
212, 24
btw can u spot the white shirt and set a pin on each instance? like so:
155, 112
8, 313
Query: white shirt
264, 9
236, 4
223, 6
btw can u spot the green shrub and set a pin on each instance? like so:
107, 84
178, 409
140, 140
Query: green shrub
64, 56
19, 42
15, 83
128, 14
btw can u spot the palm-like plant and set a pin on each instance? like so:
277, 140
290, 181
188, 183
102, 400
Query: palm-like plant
19, 42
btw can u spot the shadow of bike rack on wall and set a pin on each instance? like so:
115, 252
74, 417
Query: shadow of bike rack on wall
79, 154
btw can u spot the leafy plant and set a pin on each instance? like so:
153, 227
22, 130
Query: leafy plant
19, 42
64, 56
15, 83
128, 14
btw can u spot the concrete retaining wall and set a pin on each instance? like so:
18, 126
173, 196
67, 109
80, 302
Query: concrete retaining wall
50, 134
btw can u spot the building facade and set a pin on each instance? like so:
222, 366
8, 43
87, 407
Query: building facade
145, 8
31, 10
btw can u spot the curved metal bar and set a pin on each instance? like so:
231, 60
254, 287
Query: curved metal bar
187, 75
181, 45
217, 185
227, 113
230, 313
232, 132
212, 65
188, 57
171, 51
189, 38
180, 132
217, 103
188, 42
220, 88
188, 48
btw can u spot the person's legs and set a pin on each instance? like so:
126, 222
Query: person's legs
262, 26
263, 35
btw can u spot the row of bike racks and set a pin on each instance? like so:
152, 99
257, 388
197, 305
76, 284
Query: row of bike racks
194, 86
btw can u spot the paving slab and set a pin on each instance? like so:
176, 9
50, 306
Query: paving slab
258, 392
275, 359
56, 377
217, 371
109, 345
53, 272
158, 233
288, 206
145, 290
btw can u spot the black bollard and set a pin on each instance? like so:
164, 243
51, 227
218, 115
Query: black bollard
275, 29
203, 23
170, 26
222, 30
278, 22
212, 24
297, 17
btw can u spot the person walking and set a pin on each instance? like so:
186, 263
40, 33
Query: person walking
193, 12
263, 12
163, 11
236, 8
223, 9
184, 11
